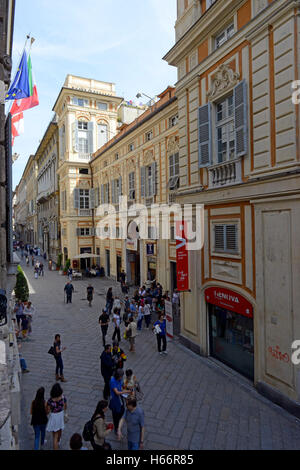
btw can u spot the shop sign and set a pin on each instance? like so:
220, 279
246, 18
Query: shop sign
230, 300
169, 318
182, 258
131, 245
150, 249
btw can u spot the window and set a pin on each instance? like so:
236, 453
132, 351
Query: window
224, 36
83, 171
84, 199
84, 232
80, 102
148, 180
131, 147
116, 156
172, 233
83, 141
105, 198
116, 190
225, 130
131, 186
151, 233
64, 200
102, 106
173, 171
173, 121
226, 238
149, 136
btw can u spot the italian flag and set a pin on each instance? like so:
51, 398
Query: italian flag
27, 103
17, 126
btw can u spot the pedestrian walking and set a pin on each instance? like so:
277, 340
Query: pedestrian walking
32, 260
29, 311
69, 289
116, 322
131, 333
131, 383
107, 367
176, 302
147, 315
104, 321
57, 407
118, 356
70, 274
101, 429
41, 268
135, 421
117, 304
116, 403
23, 364
58, 349
122, 277
109, 300
159, 329
90, 294
140, 317
24, 326
27, 260
39, 419
19, 310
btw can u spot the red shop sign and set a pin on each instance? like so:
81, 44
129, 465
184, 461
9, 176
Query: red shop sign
230, 300
182, 258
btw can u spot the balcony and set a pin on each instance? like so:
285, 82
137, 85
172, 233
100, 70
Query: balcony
84, 212
225, 173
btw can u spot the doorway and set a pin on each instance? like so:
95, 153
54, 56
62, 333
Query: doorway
119, 267
107, 256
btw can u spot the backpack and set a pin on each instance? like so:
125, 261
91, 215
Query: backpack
88, 433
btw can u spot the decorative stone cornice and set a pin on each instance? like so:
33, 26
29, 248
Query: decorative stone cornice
148, 157
224, 79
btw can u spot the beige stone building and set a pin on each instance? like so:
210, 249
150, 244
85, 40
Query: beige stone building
239, 157
87, 117
48, 225
139, 164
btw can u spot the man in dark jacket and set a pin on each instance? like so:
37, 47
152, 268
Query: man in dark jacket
69, 289
107, 365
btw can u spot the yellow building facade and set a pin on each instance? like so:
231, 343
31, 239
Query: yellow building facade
239, 158
139, 163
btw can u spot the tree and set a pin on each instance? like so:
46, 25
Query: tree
21, 288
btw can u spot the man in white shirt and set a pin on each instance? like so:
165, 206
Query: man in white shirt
117, 321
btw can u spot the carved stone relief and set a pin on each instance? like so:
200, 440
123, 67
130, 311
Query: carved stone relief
224, 79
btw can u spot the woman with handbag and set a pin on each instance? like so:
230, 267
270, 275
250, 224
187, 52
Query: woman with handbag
56, 406
100, 428
116, 404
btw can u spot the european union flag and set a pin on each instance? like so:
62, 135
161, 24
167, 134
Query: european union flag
20, 87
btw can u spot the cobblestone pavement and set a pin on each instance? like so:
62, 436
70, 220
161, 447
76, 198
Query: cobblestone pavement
190, 402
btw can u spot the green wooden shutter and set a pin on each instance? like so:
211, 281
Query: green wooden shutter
92, 198
102, 194
153, 176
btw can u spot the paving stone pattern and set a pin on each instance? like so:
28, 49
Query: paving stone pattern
190, 402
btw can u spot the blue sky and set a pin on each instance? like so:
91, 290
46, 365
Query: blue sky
109, 40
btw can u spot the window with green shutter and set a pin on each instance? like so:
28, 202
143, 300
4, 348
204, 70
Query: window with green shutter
226, 238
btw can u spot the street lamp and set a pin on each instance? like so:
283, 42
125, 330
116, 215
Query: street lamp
139, 95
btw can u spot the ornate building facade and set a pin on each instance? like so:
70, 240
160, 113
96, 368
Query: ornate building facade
239, 157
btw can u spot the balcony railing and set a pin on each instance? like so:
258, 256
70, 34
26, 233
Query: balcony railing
85, 212
225, 173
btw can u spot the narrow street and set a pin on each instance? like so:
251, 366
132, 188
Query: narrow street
189, 403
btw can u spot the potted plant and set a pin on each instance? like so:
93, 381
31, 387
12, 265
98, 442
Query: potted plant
67, 266
58, 263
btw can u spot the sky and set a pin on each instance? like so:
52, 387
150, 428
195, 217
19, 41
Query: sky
109, 40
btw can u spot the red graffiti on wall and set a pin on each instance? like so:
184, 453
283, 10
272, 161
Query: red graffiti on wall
277, 354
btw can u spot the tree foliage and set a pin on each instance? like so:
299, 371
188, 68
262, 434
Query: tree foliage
21, 288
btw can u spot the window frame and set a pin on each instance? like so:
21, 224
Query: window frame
226, 35
221, 124
225, 250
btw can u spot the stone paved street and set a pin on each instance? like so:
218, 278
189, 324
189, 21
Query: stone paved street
190, 402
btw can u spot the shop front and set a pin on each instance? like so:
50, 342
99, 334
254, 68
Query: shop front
231, 338
133, 262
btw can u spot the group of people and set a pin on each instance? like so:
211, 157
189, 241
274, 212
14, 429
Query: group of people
38, 269
23, 317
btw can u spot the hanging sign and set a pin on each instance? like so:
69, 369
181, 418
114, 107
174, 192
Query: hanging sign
230, 300
182, 258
